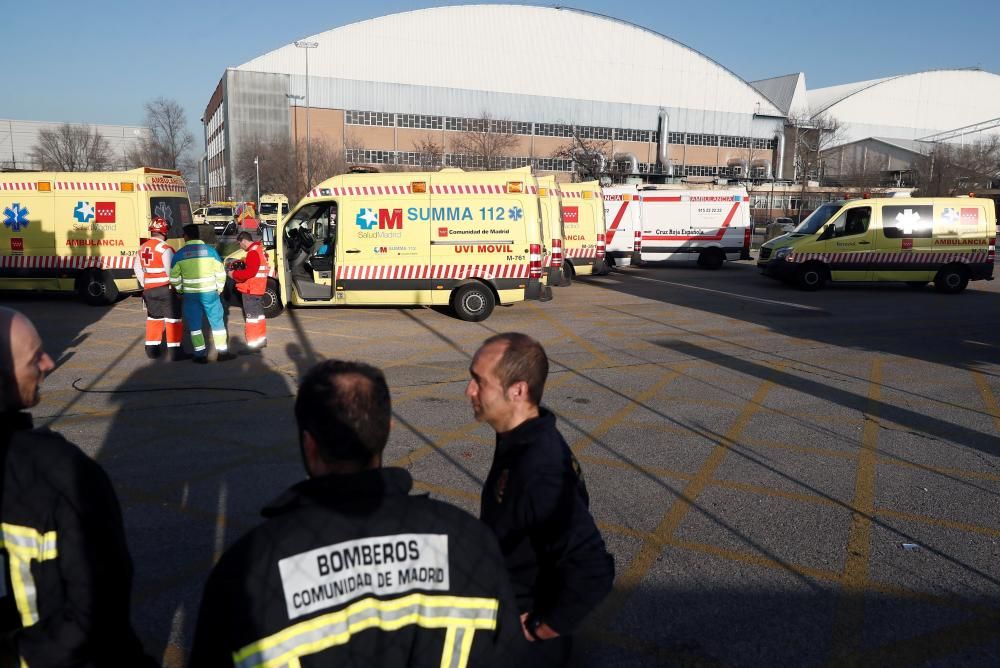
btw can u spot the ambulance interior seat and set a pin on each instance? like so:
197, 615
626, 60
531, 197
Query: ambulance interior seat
303, 254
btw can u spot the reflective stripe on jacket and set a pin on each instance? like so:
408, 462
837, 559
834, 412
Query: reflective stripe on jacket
152, 264
353, 570
68, 573
197, 268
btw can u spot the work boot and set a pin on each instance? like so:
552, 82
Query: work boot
225, 357
178, 355
153, 352
200, 359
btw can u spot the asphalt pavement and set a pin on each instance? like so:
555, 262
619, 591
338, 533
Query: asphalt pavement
784, 478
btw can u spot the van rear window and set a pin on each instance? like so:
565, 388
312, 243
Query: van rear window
220, 211
174, 210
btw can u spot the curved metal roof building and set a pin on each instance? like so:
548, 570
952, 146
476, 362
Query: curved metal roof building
924, 105
537, 63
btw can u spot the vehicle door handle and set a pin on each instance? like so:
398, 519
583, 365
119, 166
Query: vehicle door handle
860, 243
352, 250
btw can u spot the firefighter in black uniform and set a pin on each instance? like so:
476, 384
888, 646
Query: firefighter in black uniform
67, 575
535, 499
349, 569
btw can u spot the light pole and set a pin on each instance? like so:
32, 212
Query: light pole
295, 119
256, 166
307, 46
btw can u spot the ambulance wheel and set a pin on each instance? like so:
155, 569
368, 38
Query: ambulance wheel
97, 288
811, 277
952, 279
711, 258
473, 302
568, 271
270, 301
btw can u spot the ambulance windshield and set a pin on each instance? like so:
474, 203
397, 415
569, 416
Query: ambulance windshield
220, 211
268, 208
818, 218
174, 210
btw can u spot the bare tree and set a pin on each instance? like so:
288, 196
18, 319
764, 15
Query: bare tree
282, 168
591, 157
485, 142
430, 154
169, 139
953, 169
812, 136
72, 148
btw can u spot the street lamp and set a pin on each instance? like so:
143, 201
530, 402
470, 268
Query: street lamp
295, 119
307, 46
256, 166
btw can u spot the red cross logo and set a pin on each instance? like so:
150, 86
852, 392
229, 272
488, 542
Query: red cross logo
147, 256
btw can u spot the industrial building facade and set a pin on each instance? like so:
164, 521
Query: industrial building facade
380, 91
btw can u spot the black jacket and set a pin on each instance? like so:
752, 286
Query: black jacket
368, 574
64, 543
536, 502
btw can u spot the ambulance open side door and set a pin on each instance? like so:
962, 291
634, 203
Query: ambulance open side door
309, 257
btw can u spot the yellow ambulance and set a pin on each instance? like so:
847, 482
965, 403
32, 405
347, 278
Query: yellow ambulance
549, 203
583, 229
273, 207
468, 240
949, 241
79, 231
218, 215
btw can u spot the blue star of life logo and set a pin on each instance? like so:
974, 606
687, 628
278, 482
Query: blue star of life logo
366, 219
15, 217
515, 213
83, 212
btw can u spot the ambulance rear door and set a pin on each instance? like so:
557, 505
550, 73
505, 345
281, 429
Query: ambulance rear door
621, 211
28, 246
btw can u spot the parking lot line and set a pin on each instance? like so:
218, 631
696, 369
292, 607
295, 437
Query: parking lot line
935, 521
989, 399
569, 333
735, 295
849, 617
651, 548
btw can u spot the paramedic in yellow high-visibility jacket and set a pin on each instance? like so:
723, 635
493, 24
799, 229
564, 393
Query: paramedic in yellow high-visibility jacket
199, 275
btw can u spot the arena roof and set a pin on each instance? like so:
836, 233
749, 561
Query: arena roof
543, 51
911, 106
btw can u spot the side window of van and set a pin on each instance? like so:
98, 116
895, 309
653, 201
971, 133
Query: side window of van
852, 222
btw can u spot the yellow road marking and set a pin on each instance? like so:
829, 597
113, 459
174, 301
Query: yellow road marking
939, 522
569, 333
651, 548
849, 618
618, 416
989, 399
630, 466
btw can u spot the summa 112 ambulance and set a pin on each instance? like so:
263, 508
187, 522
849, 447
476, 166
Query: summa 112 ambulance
583, 228
80, 231
273, 207
622, 214
469, 240
704, 226
949, 241
549, 203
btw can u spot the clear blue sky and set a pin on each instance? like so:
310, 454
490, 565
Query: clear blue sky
99, 62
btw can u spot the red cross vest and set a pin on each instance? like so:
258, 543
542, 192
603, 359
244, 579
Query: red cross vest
256, 284
155, 256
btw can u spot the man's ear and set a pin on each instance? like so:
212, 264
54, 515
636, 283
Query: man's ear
315, 466
518, 391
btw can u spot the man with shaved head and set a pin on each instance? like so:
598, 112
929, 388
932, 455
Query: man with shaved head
67, 575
